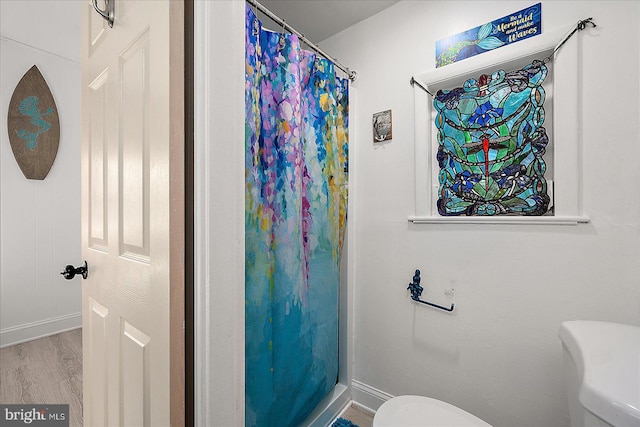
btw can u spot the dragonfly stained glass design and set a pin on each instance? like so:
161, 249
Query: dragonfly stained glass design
491, 143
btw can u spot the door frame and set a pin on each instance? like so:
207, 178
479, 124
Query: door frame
181, 212
219, 213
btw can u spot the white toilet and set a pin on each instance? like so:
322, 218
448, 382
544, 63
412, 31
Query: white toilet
420, 411
602, 368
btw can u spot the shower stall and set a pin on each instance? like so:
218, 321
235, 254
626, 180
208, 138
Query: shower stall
270, 206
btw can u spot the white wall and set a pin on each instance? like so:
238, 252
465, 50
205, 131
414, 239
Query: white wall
497, 355
40, 220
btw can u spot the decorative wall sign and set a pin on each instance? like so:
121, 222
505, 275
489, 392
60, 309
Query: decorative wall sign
491, 143
382, 126
33, 125
506, 30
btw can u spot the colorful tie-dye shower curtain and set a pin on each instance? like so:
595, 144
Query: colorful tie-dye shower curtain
296, 198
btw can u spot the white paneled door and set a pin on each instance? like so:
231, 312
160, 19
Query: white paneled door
131, 190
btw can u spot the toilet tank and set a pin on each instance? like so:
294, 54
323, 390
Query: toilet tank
602, 367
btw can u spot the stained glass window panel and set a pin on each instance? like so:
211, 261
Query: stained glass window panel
491, 145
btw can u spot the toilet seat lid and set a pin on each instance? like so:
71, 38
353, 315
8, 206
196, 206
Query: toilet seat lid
420, 411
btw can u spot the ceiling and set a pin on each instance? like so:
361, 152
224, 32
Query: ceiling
321, 19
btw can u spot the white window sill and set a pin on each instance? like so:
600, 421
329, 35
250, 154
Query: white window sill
514, 220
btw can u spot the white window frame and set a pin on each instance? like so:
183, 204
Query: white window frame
567, 137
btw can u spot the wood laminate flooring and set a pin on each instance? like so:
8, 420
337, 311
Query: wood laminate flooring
49, 371
44, 371
358, 416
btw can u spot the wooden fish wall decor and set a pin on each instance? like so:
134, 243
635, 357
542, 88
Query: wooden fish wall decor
33, 125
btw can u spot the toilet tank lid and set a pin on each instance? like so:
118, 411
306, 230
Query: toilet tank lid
607, 356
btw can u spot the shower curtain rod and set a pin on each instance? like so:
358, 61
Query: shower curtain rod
275, 18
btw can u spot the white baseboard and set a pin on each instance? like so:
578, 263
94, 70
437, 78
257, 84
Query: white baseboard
39, 329
330, 407
368, 398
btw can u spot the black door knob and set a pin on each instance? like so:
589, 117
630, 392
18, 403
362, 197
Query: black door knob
70, 271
